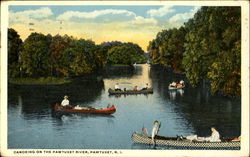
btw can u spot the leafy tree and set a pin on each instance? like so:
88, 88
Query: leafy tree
225, 72
172, 49
35, 55
56, 49
153, 49
128, 54
206, 48
79, 58
14, 49
199, 51
102, 52
213, 48
168, 47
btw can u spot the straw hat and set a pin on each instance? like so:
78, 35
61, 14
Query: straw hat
65, 97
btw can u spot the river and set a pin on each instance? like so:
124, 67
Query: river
32, 123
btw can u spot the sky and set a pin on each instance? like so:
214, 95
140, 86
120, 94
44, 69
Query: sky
126, 23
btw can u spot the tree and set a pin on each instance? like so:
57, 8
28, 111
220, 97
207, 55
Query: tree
225, 72
208, 47
153, 51
79, 58
127, 53
56, 49
212, 49
102, 52
35, 55
14, 49
168, 48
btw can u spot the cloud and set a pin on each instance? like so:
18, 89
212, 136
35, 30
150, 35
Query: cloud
184, 16
161, 11
141, 20
43, 12
95, 14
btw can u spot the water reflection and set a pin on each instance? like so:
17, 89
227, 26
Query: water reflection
59, 115
172, 95
113, 72
180, 91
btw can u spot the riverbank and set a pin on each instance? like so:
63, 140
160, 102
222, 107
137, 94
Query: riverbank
39, 81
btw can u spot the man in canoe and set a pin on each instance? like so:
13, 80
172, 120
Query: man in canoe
181, 84
65, 102
173, 84
117, 88
145, 87
135, 88
215, 137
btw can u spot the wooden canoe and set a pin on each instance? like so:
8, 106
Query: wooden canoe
109, 110
175, 88
146, 91
227, 143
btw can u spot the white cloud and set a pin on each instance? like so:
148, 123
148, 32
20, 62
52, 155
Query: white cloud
37, 14
184, 16
161, 11
142, 20
94, 14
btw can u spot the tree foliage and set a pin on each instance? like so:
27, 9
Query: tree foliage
35, 55
127, 53
45, 55
207, 47
14, 49
167, 49
79, 58
225, 72
57, 46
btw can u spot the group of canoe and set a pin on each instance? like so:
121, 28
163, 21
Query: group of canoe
117, 90
109, 110
131, 91
142, 138
144, 90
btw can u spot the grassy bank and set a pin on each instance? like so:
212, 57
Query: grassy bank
40, 80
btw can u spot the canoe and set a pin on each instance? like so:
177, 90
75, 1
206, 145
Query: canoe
175, 88
226, 143
146, 91
109, 110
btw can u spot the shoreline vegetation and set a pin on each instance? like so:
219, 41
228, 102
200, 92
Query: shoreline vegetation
206, 47
39, 81
56, 80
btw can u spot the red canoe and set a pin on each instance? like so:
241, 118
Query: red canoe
109, 110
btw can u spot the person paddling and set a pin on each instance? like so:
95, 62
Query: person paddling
155, 131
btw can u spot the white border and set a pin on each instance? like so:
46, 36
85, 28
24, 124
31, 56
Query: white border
244, 68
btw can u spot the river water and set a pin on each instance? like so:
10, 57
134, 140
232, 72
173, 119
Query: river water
32, 124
